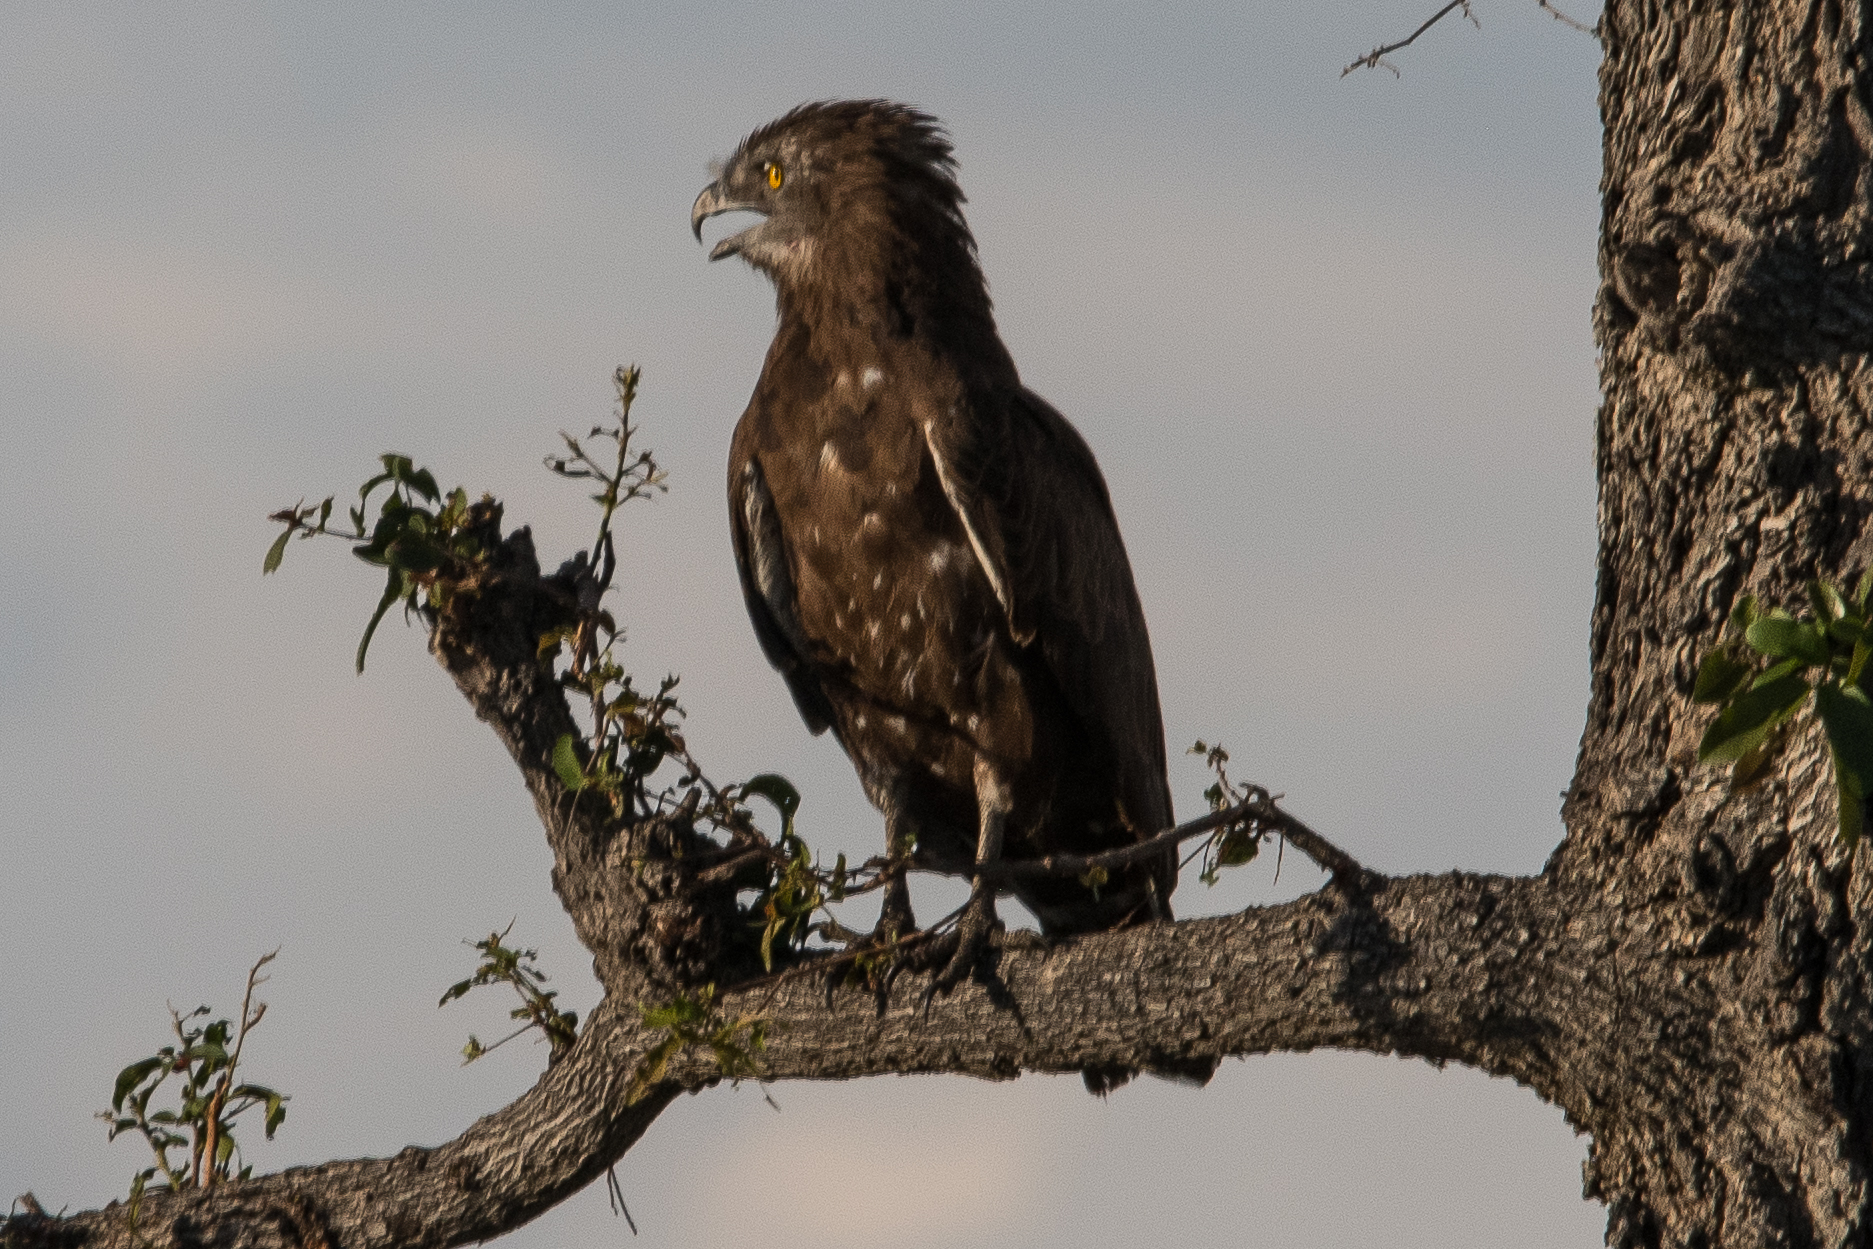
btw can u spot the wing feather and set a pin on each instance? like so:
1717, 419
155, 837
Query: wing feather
1039, 517
767, 585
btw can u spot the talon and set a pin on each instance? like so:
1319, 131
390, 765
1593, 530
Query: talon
971, 940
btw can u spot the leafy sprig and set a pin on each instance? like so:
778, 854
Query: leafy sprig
1769, 665
502, 964
733, 1043
421, 537
209, 1098
1235, 844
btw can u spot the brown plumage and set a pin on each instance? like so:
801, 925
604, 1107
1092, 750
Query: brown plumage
928, 551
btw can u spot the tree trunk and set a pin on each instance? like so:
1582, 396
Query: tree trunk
1733, 322
1688, 977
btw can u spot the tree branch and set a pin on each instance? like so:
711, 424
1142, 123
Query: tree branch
1376, 58
1257, 810
1391, 966
1401, 970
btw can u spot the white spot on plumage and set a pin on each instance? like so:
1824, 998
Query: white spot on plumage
903, 622
871, 630
975, 722
877, 580
872, 376
828, 460
873, 521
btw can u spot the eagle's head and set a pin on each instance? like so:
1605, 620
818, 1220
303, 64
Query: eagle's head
855, 195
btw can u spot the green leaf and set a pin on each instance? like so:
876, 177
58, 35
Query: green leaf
778, 790
1720, 676
1828, 604
1782, 638
651, 1070
1852, 814
1744, 614
130, 1077
392, 592
1861, 590
1848, 630
1236, 848
459, 989
276, 553
1746, 723
566, 764
1775, 672
1754, 765
413, 553
1847, 714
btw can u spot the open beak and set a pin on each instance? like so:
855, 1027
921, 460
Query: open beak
713, 202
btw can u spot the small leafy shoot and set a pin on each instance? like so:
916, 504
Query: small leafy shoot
421, 538
502, 964
1232, 845
1769, 665
695, 1022
205, 1058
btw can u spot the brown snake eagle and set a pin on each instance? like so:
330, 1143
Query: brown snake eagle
927, 549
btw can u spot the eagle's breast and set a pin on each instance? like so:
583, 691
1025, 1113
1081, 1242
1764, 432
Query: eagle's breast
891, 596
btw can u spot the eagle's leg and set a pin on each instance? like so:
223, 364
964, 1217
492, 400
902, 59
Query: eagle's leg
993, 802
895, 918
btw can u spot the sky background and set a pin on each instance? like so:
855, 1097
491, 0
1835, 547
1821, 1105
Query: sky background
1329, 338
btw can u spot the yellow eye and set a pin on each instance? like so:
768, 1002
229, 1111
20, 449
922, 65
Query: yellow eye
773, 175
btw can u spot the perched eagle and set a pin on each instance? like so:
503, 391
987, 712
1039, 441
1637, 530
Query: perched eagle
927, 548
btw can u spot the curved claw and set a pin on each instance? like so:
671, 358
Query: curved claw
971, 940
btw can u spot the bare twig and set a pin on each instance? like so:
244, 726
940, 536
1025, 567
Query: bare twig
250, 1016
1259, 810
1564, 19
1376, 58
616, 1193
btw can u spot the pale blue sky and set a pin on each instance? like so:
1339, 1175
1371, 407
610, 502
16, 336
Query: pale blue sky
1328, 337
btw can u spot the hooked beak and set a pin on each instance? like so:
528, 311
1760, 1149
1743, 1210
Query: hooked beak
713, 202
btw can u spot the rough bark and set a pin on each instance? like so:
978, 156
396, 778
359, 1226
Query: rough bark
1734, 320
1687, 979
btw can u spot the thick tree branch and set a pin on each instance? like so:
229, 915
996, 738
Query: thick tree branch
1393, 966
1402, 970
